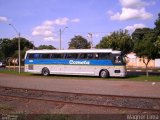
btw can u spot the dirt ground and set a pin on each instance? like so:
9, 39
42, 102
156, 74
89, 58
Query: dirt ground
10, 105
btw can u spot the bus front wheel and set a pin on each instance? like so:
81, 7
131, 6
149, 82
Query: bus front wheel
104, 74
45, 72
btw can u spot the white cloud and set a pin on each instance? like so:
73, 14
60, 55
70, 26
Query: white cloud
43, 30
46, 29
49, 39
48, 23
61, 21
135, 26
133, 3
131, 13
76, 20
3, 19
132, 9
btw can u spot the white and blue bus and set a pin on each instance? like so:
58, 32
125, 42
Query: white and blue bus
88, 62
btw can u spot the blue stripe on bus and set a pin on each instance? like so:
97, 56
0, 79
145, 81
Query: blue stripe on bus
70, 62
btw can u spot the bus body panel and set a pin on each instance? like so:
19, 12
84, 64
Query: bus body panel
88, 67
77, 70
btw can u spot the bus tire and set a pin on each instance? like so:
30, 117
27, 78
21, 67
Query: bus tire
104, 73
45, 72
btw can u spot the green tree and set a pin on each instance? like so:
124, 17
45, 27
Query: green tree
46, 47
6, 47
1, 53
144, 47
157, 25
140, 34
147, 43
118, 40
78, 42
157, 43
9, 47
24, 43
157, 32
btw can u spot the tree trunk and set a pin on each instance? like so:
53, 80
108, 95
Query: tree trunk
146, 63
146, 70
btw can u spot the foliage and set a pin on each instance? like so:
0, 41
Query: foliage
118, 40
146, 44
78, 42
46, 47
8, 47
157, 26
24, 43
15, 55
157, 32
1, 55
157, 43
144, 40
140, 34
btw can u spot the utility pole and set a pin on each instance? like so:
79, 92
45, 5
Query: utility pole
60, 37
19, 47
91, 35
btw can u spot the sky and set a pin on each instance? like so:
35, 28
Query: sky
40, 21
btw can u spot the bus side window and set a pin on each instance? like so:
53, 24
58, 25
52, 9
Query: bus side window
104, 56
33, 56
90, 56
82, 56
57, 56
45, 56
86, 56
30, 56
36, 56
71, 56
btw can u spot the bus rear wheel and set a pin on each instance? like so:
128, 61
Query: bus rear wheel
45, 72
104, 74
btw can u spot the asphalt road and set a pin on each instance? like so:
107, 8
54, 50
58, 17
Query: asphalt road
82, 85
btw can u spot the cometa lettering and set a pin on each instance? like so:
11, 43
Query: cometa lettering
79, 62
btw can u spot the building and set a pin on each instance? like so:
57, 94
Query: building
134, 61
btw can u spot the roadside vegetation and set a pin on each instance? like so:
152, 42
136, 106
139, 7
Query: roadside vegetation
144, 78
4, 109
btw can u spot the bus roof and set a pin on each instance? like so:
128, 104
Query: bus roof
75, 51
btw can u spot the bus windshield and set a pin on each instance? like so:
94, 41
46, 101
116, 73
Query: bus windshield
119, 59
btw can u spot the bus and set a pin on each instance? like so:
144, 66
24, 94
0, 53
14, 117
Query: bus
89, 62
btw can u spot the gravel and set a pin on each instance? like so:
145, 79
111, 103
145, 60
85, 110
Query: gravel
91, 99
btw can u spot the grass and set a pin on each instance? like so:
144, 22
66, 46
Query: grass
5, 107
143, 78
13, 72
127, 78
